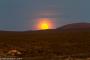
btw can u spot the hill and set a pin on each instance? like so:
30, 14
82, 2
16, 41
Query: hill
75, 26
48, 42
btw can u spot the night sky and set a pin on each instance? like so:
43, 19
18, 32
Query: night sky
20, 15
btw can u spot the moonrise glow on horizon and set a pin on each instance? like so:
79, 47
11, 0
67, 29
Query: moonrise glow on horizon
44, 23
21, 15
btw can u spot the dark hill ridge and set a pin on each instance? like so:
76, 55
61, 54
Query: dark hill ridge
46, 42
75, 26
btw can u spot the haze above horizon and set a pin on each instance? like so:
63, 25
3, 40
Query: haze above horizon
20, 15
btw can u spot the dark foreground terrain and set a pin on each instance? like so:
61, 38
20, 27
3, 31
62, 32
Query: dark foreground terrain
54, 44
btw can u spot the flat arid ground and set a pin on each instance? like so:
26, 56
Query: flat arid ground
52, 44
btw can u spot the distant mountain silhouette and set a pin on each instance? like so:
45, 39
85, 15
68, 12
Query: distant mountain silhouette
75, 26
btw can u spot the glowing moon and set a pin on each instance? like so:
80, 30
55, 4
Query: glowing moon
44, 23
44, 26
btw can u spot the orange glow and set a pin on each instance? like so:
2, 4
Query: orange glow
44, 26
44, 23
